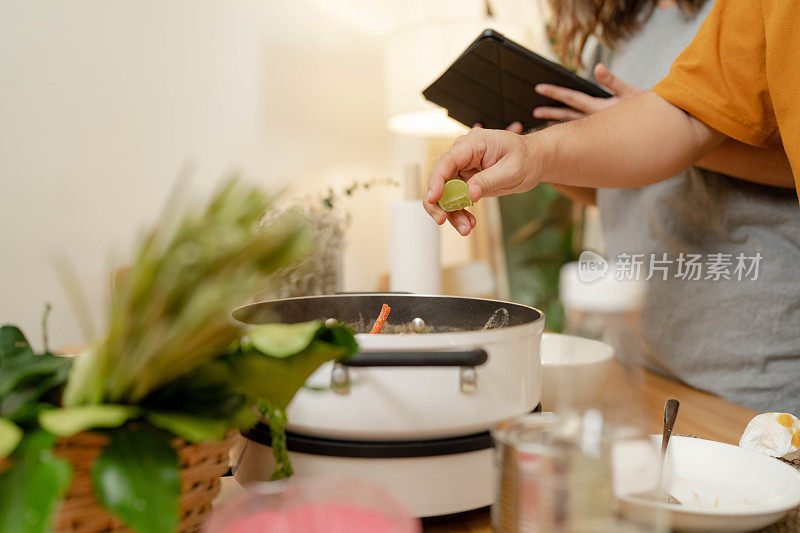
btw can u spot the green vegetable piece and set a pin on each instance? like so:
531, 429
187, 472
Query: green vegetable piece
137, 478
277, 379
69, 421
10, 435
277, 420
455, 195
273, 372
33, 486
283, 340
191, 428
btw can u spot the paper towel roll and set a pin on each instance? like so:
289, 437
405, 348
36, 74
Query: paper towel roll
414, 250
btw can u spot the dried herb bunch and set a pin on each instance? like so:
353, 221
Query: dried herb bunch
327, 218
170, 313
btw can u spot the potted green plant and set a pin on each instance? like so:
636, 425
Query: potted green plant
134, 434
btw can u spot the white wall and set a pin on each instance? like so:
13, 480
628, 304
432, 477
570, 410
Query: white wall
103, 101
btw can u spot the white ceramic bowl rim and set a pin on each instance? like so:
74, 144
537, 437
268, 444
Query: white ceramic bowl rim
585, 351
754, 510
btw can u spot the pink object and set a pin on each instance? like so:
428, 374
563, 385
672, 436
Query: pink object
318, 518
312, 506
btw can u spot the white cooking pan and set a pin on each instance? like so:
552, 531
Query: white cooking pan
458, 379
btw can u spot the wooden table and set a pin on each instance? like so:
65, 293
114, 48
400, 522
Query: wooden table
701, 414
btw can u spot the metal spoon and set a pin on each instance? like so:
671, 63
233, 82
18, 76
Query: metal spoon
658, 493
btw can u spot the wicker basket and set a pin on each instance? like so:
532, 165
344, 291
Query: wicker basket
202, 466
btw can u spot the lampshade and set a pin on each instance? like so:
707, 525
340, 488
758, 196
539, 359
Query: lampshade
416, 56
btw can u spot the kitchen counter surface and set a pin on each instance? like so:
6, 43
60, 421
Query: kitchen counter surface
701, 414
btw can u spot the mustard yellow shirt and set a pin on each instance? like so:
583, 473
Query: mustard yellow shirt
741, 74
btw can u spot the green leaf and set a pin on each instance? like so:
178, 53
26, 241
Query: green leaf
13, 343
276, 380
270, 372
33, 486
191, 428
69, 421
21, 371
136, 478
10, 435
206, 392
37, 382
29, 382
342, 336
283, 340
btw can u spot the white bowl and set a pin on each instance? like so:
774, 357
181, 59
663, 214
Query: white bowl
722, 488
573, 366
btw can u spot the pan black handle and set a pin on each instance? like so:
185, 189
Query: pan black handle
474, 357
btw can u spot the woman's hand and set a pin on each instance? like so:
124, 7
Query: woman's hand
581, 104
496, 163
616, 148
492, 162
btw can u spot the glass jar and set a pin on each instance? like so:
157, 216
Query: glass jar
567, 473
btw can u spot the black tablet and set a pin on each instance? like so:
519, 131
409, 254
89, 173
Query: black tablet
492, 83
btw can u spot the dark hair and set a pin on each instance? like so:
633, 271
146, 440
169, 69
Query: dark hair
611, 21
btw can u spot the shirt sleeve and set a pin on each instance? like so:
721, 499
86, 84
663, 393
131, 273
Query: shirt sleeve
720, 78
